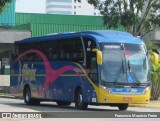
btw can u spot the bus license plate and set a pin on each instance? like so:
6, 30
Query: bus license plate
127, 99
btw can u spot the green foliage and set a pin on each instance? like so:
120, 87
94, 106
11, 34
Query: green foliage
92, 2
155, 73
3, 3
151, 46
137, 16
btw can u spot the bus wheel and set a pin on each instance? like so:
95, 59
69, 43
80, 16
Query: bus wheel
123, 106
63, 103
68, 103
79, 101
27, 96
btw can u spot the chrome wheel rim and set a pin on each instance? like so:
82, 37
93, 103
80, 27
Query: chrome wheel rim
27, 96
80, 99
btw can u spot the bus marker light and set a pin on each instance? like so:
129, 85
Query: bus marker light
94, 100
104, 100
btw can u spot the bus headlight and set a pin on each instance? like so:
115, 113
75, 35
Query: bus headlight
109, 90
105, 88
146, 89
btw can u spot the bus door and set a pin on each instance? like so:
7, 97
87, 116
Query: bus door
91, 63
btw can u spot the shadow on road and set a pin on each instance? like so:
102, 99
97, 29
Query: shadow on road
53, 107
52, 110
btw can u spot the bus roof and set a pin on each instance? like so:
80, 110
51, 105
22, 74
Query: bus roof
100, 36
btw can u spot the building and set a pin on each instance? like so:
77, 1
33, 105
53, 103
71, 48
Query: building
7, 17
71, 7
24, 25
43, 24
8, 36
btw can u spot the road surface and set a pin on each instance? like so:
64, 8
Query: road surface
51, 110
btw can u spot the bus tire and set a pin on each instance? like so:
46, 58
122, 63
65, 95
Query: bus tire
123, 106
27, 96
63, 103
35, 102
79, 103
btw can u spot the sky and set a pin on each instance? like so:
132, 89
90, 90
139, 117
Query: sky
34, 6
30, 6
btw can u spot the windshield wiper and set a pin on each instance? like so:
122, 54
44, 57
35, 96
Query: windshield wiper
131, 71
122, 68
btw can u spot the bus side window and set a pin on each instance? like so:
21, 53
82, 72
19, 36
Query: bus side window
66, 50
78, 54
53, 50
14, 52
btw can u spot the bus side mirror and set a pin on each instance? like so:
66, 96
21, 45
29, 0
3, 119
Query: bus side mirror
155, 57
99, 55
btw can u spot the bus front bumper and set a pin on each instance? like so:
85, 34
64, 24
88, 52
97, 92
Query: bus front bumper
105, 98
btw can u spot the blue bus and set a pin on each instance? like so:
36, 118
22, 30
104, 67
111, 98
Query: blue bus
100, 67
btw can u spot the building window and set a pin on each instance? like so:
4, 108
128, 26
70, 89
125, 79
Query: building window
74, 7
59, 6
74, 13
60, 12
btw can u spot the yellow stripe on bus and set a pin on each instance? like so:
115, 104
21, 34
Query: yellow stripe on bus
45, 75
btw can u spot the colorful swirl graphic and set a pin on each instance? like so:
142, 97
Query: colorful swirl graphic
51, 74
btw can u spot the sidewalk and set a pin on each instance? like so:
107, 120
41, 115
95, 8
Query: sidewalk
4, 95
152, 104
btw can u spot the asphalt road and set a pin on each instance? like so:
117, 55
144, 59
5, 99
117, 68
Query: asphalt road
52, 110
18, 105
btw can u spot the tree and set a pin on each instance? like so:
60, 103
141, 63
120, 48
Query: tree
3, 3
95, 3
138, 17
155, 74
155, 70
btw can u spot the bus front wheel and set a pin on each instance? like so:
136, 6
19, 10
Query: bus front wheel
123, 106
79, 101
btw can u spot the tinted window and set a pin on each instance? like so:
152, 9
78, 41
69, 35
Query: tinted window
78, 55
53, 50
66, 51
60, 50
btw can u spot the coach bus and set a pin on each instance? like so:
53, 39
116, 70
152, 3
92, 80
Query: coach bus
102, 67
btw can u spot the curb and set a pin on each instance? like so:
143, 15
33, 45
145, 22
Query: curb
156, 105
7, 96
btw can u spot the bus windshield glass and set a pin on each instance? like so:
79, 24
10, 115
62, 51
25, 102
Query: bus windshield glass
124, 63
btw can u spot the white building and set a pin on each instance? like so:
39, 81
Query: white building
71, 7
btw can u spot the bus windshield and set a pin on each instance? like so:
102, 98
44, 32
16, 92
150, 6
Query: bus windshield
124, 63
